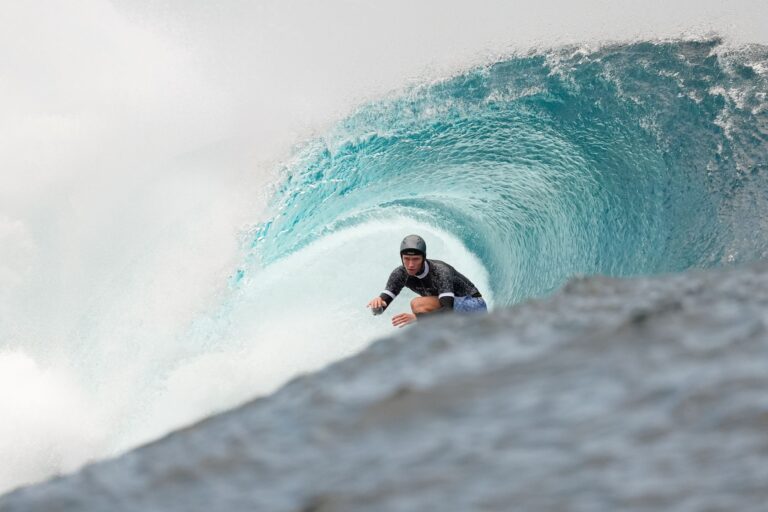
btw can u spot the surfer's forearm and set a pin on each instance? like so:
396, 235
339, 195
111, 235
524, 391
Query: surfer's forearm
387, 297
439, 311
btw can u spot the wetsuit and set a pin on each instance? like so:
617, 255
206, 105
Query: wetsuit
437, 279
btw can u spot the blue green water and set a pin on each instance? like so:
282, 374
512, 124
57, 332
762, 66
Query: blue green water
629, 159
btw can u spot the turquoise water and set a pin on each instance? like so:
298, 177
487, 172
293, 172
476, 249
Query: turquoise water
629, 159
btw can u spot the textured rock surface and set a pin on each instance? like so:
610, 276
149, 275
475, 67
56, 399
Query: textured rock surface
631, 395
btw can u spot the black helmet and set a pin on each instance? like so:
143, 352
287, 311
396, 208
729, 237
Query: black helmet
413, 244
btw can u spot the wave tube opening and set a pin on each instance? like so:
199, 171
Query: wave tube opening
631, 159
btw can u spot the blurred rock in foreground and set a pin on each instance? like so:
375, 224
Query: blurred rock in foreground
613, 395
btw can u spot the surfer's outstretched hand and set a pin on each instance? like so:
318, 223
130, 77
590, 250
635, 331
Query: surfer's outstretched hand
377, 302
403, 319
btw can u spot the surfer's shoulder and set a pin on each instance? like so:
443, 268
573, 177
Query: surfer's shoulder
399, 271
439, 265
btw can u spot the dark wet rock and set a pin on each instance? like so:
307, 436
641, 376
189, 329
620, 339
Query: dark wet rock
631, 395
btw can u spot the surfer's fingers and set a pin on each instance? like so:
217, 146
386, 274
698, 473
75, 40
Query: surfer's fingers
400, 319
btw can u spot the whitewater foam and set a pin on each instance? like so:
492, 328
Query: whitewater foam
49, 421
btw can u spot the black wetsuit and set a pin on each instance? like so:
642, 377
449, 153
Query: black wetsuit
436, 279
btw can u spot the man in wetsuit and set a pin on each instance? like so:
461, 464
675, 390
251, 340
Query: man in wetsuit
441, 287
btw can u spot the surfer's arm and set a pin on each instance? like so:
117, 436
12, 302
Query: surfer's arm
446, 306
446, 303
395, 284
445, 292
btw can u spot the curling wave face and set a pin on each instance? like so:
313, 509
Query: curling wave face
630, 159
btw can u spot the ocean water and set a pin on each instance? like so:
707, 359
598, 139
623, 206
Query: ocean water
630, 159
189, 221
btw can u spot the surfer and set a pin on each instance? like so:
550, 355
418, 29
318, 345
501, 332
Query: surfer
441, 287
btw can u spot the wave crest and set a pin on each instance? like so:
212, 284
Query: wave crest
632, 159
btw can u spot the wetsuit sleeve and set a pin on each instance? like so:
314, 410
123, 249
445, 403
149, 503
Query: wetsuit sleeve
395, 284
445, 293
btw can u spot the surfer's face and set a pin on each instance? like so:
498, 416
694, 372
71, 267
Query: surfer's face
412, 264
